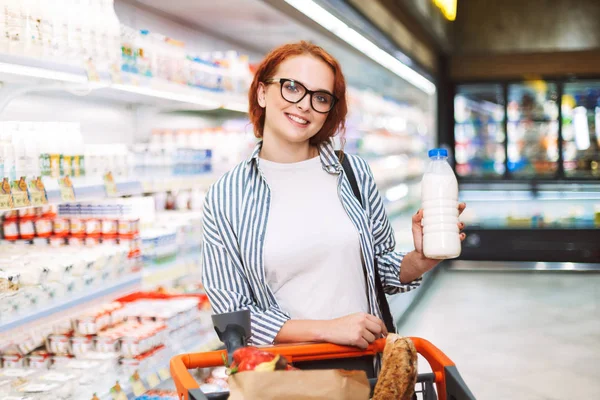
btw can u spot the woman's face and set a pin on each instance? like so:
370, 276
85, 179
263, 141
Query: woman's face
295, 123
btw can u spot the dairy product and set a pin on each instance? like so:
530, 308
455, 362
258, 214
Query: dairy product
439, 197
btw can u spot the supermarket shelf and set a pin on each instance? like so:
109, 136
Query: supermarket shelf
180, 183
159, 274
91, 189
112, 289
27, 74
87, 189
161, 376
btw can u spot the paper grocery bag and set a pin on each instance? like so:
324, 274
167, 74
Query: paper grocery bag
299, 385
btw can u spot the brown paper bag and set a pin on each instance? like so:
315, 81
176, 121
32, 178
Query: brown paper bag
299, 385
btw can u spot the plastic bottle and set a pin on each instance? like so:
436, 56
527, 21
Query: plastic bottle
46, 23
1, 152
9, 150
26, 150
18, 142
143, 51
60, 40
74, 22
13, 26
76, 148
32, 151
439, 196
54, 149
3, 30
113, 32
43, 149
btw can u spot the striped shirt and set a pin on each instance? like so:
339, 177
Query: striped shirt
236, 210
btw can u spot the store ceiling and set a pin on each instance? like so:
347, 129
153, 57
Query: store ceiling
257, 26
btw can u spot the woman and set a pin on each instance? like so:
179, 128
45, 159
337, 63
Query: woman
284, 235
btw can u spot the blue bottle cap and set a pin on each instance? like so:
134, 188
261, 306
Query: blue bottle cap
433, 153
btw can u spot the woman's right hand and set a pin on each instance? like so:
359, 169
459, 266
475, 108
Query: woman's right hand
358, 330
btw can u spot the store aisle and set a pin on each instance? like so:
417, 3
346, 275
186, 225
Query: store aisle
517, 335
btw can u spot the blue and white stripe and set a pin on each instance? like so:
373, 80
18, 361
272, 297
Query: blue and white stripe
236, 210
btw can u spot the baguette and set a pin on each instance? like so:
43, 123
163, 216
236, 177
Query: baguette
398, 374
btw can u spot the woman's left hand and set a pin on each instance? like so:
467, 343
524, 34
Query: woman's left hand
417, 231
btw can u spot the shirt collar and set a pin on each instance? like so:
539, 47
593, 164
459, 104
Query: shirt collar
329, 159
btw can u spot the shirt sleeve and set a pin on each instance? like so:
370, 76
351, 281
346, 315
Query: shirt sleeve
227, 285
388, 260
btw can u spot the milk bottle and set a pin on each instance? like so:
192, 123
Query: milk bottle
439, 197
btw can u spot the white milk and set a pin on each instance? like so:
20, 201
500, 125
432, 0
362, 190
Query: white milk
439, 197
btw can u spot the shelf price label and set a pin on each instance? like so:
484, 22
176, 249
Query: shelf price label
37, 192
117, 392
153, 380
109, 185
164, 374
6, 200
19, 193
91, 71
67, 193
137, 385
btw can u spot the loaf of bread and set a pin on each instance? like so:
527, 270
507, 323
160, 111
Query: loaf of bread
398, 374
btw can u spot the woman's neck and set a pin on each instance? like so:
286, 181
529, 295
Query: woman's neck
281, 151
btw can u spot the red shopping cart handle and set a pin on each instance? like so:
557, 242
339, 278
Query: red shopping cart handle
440, 364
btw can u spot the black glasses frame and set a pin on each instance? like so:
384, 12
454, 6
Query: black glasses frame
281, 81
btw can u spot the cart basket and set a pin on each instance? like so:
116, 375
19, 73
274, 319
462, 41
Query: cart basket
445, 375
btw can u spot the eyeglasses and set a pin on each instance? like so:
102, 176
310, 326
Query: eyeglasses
293, 91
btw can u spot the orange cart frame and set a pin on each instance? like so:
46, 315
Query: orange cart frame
447, 379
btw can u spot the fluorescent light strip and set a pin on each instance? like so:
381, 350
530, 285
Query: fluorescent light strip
241, 107
359, 42
34, 72
184, 98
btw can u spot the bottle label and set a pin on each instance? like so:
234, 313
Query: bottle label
75, 166
109, 184
55, 165
81, 165
67, 193
66, 165
45, 169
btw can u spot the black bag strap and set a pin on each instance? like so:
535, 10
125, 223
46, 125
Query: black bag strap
384, 307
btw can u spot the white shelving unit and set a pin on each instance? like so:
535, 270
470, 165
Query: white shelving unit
61, 307
22, 75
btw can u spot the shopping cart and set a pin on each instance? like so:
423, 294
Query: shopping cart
444, 376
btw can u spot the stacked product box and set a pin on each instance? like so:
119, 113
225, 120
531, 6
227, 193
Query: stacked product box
32, 276
135, 334
101, 222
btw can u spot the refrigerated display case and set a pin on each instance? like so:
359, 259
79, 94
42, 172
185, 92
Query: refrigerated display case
534, 193
525, 222
581, 129
479, 131
532, 141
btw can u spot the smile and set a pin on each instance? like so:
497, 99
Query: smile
297, 119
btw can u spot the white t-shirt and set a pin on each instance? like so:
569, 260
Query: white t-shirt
312, 251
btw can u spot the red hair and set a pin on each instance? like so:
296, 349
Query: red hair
336, 119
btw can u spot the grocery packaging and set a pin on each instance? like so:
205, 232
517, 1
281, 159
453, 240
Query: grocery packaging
294, 385
439, 197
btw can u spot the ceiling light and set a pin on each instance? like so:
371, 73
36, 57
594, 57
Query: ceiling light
359, 42
161, 94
